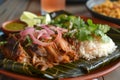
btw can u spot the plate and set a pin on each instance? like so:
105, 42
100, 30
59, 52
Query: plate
94, 74
91, 3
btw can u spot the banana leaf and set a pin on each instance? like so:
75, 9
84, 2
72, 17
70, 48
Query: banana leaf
114, 33
24, 69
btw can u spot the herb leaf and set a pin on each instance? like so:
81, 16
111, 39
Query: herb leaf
79, 29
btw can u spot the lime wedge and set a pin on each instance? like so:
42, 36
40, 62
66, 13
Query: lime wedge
32, 19
47, 19
28, 18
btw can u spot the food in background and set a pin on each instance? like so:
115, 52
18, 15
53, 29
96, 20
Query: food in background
109, 8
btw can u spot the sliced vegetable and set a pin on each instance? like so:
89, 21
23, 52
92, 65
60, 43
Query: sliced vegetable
28, 18
32, 19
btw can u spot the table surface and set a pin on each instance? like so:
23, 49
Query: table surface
13, 9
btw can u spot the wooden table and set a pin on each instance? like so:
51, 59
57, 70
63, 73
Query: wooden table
12, 9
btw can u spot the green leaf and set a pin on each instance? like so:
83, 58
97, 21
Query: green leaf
83, 34
2, 42
29, 41
89, 21
103, 28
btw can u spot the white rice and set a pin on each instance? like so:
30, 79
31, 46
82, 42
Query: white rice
93, 49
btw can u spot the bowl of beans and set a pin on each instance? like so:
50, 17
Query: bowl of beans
105, 9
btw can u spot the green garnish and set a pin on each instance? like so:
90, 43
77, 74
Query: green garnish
29, 41
2, 43
79, 29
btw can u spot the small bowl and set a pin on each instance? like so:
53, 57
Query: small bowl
13, 26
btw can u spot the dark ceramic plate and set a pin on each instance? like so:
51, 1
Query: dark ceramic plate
91, 3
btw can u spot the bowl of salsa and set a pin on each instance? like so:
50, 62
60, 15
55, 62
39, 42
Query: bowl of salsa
13, 26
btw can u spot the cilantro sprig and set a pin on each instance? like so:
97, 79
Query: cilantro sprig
79, 29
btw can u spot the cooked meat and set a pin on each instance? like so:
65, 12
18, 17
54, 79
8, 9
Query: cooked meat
35, 49
54, 55
13, 50
48, 56
41, 53
38, 56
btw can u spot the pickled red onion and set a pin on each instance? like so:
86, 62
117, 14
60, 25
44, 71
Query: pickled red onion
45, 33
31, 32
47, 29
